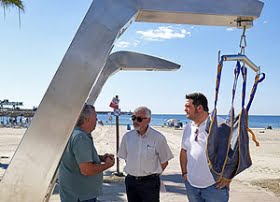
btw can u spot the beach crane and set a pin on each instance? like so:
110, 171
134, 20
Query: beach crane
31, 171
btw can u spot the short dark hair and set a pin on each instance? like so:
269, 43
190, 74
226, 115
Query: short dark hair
198, 99
86, 113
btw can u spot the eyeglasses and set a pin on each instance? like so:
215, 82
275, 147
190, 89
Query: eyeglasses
196, 135
137, 118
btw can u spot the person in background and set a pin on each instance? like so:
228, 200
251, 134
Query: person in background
199, 182
146, 153
81, 168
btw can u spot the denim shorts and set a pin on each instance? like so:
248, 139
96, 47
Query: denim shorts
208, 194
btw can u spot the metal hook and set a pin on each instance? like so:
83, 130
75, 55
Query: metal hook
219, 56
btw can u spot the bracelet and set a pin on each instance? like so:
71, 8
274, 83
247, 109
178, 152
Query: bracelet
184, 174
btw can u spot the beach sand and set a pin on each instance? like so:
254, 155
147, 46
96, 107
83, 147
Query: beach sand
261, 182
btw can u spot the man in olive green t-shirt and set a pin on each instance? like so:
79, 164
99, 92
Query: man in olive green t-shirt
80, 171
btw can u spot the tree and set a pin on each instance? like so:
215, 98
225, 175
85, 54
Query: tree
12, 3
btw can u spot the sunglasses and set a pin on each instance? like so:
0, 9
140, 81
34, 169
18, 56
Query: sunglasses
137, 118
196, 135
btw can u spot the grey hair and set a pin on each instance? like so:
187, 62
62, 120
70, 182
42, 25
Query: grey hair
86, 113
143, 108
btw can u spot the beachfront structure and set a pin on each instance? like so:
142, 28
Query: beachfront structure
8, 103
14, 117
30, 174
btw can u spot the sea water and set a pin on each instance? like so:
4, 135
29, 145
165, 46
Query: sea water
255, 121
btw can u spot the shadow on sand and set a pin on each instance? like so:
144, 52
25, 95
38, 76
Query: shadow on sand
114, 187
176, 178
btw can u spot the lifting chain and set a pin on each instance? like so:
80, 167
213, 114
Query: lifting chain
243, 42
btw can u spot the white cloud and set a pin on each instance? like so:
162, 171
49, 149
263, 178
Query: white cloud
163, 33
265, 22
230, 29
126, 44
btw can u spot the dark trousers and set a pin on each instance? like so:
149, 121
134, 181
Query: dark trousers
143, 189
89, 200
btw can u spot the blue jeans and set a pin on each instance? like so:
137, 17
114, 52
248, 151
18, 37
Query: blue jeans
89, 200
208, 194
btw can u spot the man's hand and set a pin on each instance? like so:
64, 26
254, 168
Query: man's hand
109, 161
103, 157
185, 177
109, 155
90, 168
223, 182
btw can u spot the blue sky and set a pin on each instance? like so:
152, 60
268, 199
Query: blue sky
30, 56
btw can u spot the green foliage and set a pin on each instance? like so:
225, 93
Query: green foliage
12, 3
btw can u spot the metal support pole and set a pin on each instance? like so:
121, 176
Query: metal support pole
118, 173
117, 142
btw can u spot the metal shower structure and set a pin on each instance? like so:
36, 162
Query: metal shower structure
32, 168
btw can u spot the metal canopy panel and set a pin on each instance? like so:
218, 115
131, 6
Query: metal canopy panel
125, 60
32, 167
199, 12
194, 19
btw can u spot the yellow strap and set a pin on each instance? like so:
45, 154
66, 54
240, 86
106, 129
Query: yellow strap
253, 137
224, 179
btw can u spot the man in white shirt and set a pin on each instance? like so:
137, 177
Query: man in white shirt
146, 153
200, 184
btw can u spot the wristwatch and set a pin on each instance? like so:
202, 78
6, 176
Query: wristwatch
184, 174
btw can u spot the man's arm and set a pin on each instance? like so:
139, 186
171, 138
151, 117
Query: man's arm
90, 168
122, 153
164, 153
164, 165
183, 163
